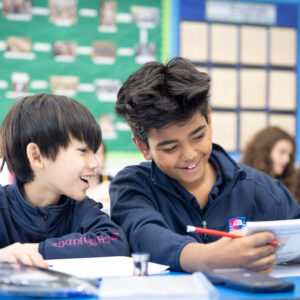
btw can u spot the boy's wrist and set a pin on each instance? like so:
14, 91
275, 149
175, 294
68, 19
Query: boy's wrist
197, 257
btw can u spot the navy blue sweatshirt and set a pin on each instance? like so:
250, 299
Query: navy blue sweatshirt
154, 210
71, 229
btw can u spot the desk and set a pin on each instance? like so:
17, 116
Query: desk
225, 294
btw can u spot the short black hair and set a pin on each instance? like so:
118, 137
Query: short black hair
49, 121
158, 95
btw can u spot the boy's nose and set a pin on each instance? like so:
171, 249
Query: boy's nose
188, 153
93, 161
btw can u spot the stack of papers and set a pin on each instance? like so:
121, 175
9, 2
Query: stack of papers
99, 267
286, 270
287, 233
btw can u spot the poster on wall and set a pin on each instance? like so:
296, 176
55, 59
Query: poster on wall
81, 49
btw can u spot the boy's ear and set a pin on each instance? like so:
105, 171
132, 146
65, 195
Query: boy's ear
142, 147
34, 155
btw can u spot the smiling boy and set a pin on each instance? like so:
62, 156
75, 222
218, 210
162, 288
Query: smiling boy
49, 144
190, 180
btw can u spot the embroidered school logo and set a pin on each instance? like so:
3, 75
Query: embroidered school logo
237, 223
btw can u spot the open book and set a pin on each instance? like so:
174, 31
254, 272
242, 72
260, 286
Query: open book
287, 233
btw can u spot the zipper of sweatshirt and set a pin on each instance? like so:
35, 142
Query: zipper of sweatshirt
45, 217
204, 225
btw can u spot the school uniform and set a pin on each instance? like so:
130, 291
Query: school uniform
154, 210
71, 229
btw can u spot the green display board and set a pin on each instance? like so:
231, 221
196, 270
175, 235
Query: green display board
84, 49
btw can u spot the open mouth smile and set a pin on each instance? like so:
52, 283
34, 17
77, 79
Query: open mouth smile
85, 178
191, 167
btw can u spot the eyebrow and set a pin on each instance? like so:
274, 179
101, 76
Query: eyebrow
167, 142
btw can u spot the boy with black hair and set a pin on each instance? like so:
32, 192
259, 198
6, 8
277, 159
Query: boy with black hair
49, 144
190, 181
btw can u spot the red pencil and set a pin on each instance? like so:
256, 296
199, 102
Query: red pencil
219, 233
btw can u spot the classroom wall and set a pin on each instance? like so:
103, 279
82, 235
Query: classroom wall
252, 63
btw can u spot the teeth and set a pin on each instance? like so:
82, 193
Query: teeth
191, 167
85, 178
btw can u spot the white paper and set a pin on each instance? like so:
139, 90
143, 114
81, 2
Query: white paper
286, 270
98, 267
287, 233
195, 286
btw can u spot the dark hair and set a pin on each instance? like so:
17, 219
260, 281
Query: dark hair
258, 151
159, 95
49, 121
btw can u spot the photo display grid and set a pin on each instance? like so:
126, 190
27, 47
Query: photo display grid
77, 48
250, 51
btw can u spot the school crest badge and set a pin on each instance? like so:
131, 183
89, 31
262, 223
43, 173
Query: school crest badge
236, 223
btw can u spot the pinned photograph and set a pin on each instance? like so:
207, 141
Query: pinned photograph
63, 12
107, 22
103, 52
20, 83
107, 89
145, 17
107, 127
18, 48
64, 85
17, 9
145, 53
64, 51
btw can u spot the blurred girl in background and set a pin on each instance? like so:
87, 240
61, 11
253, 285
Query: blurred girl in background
272, 150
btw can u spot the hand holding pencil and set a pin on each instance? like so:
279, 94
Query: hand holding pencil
219, 233
252, 252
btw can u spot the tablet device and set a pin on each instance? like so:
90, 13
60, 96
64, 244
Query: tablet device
249, 281
20, 280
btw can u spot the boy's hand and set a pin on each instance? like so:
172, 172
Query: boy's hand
251, 252
26, 254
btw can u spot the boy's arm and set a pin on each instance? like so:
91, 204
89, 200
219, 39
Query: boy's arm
148, 232
92, 234
26, 254
251, 252
134, 207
